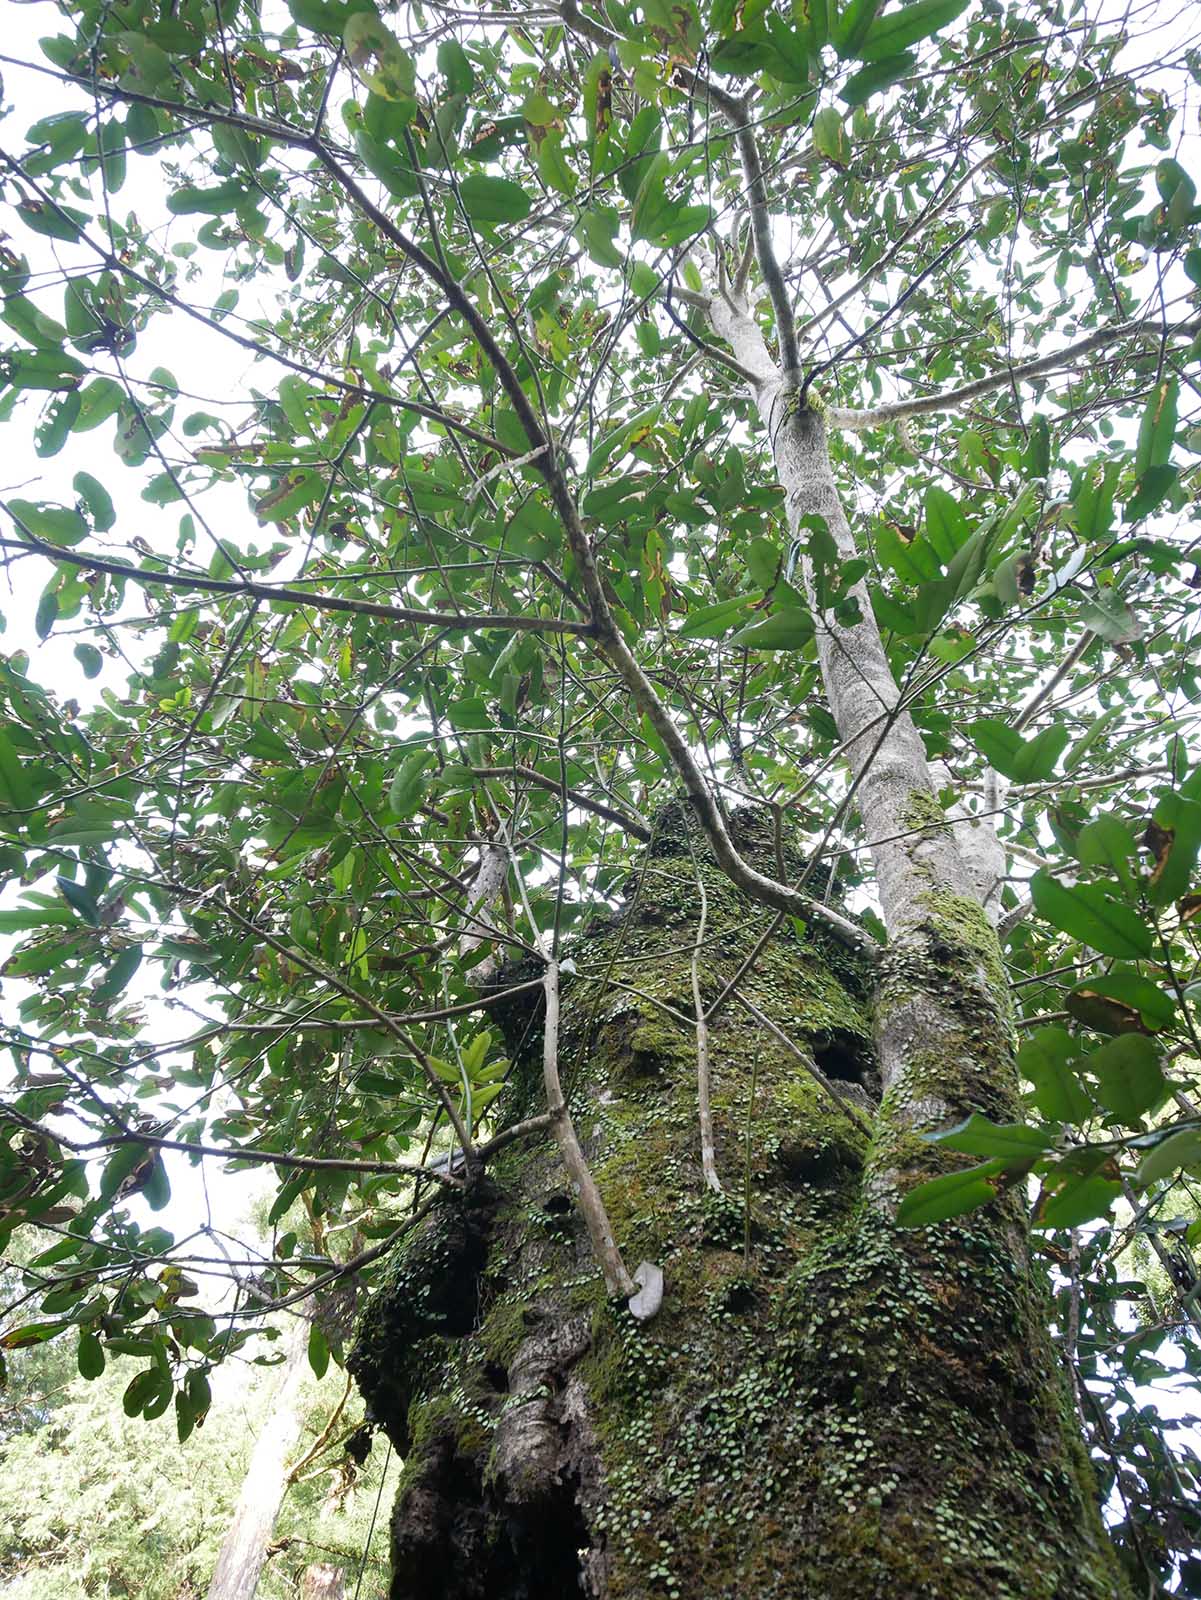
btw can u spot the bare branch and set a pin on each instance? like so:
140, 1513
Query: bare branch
617, 1280
953, 399
450, 620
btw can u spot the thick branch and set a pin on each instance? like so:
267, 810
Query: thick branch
452, 621
633, 824
609, 639
953, 399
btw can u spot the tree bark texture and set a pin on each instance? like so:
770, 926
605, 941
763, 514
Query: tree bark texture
322, 1580
826, 1406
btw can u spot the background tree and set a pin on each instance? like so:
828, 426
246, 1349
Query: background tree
759, 406
94, 1502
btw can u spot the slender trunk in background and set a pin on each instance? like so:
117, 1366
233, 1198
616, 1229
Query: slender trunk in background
322, 1581
244, 1548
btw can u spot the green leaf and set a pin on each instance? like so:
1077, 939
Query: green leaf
157, 1189
53, 221
1157, 427
763, 561
295, 490
79, 898
852, 25
597, 231
288, 1192
1174, 837
54, 524
318, 1351
1108, 615
950, 1195
711, 622
97, 499
118, 976
1107, 842
1044, 1059
1130, 1080
896, 31
46, 614
379, 60
1013, 754
1093, 499
830, 136
946, 525
89, 659
15, 790
487, 199
1117, 1002
876, 77
1149, 491
744, 54
1085, 912
1176, 1151
977, 1136
1076, 1200
613, 445
90, 1356
393, 170
52, 370
27, 921
784, 630
212, 202
407, 787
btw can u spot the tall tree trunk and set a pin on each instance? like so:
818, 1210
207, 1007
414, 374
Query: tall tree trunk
826, 1406
244, 1548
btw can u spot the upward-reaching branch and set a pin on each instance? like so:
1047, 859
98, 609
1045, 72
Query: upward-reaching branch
607, 636
953, 399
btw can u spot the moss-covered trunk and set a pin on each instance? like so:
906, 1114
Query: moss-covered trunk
825, 1406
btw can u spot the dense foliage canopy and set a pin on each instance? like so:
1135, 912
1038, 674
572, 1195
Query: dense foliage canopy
402, 535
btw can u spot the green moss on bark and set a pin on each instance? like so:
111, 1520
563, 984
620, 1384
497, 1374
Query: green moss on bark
825, 1406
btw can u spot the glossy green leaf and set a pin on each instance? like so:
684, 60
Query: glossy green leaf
96, 498
852, 23
1085, 912
1117, 1002
118, 976
783, 630
897, 30
90, 1356
977, 1136
713, 622
951, 1195
830, 136
318, 1351
379, 60
55, 524
1172, 1154
1151, 488
1014, 754
1157, 427
1076, 1200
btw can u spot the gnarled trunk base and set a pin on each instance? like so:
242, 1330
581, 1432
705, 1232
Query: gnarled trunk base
825, 1407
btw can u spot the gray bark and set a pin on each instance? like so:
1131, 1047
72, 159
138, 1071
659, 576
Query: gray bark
244, 1548
927, 892
322, 1581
